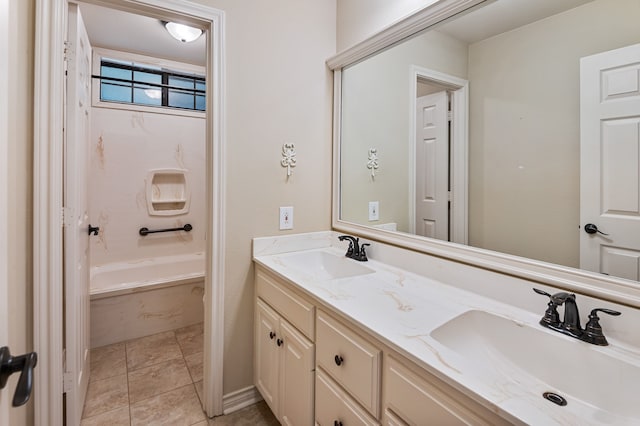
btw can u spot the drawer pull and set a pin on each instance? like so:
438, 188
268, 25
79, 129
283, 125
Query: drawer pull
337, 423
279, 342
272, 335
339, 360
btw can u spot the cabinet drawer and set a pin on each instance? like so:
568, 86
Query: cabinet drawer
416, 399
297, 311
351, 360
390, 419
334, 406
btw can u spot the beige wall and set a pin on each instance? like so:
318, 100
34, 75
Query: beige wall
278, 90
359, 19
524, 131
22, 15
375, 109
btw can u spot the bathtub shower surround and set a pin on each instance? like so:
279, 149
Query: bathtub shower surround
147, 170
129, 148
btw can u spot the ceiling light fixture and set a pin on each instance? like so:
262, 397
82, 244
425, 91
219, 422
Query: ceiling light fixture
183, 33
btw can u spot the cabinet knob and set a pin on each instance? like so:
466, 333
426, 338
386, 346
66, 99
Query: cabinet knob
339, 360
272, 335
279, 342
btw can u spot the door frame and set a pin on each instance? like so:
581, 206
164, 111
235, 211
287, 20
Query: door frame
51, 24
4, 195
459, 158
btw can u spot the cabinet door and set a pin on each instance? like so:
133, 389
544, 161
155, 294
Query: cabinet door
296, 377
266, 362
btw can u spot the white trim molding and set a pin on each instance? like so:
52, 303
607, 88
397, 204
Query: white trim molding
5, 36
240, 399
600, 286
405, 28
51, 25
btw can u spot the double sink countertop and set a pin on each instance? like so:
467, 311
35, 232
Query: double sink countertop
494, 352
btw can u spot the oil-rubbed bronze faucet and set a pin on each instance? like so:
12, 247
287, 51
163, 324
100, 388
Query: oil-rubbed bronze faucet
355, 250
570, 325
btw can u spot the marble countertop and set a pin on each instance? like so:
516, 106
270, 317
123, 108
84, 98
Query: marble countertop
402, 309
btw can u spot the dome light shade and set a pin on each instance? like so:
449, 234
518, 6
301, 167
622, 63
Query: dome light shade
183, 33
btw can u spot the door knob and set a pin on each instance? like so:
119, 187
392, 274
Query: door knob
12, 364
590, 228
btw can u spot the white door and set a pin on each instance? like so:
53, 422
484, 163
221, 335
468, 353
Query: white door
610, 162
6, 393
76, 238
432, 166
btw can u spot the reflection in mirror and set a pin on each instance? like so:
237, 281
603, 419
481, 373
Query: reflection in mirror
513, 185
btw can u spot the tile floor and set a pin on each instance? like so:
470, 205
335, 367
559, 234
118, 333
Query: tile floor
156, 380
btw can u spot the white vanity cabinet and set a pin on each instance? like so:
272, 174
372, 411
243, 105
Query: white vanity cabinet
313, 365
284, 357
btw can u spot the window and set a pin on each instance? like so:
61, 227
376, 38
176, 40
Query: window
133, 83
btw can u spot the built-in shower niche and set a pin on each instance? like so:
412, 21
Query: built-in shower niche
168, 192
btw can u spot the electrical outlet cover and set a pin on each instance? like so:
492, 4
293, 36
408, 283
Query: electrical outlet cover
286, 218
374, 210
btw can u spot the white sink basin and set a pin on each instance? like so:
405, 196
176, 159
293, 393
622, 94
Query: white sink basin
500, 347
325, 266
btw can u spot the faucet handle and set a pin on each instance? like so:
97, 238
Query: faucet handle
551, 317
593, 329
542, 292
594, 312
363, 254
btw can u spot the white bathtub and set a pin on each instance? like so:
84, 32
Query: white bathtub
146, 274
144, 297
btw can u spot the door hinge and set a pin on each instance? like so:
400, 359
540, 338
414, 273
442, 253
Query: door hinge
66, 216
449, 196
67, 48
67, 377
67, 382
449, 115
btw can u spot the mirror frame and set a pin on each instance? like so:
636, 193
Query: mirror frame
617, 290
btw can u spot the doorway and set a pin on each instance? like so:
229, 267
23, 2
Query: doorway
438, 169
51, 18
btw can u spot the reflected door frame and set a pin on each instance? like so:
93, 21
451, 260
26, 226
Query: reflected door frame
459, 159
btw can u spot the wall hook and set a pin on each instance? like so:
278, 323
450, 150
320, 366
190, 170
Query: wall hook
288, 157
372, 164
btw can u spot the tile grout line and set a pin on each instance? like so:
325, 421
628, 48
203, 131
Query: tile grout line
126, 367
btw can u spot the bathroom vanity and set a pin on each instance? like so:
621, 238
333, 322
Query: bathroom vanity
384, 342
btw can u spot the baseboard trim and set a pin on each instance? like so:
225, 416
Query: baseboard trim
240, 399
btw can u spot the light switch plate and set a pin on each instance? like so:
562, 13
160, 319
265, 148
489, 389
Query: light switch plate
374, 210
286, 218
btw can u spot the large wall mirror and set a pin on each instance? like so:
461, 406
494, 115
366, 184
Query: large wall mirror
469, 132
